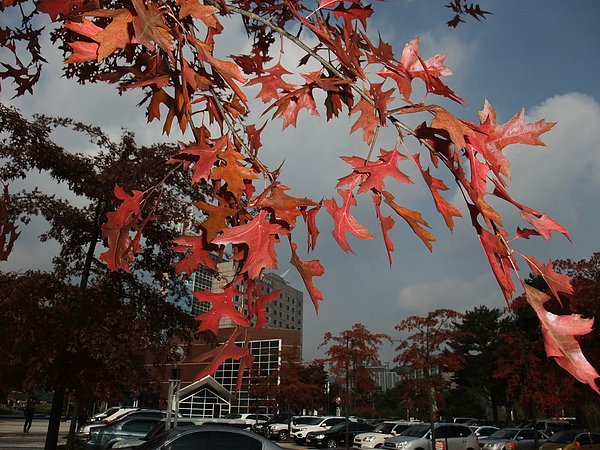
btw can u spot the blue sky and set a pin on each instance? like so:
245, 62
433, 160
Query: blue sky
540, 55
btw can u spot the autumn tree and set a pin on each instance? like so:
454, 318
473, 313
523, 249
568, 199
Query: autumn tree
422, 357
350, 357
293, 388
105, 321
168, 51
475, 343
533, 381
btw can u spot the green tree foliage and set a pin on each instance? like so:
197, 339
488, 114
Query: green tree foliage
474, 344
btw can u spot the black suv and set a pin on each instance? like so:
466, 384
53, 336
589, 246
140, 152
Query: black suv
336, 435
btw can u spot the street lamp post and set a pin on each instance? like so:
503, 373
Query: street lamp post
174, 388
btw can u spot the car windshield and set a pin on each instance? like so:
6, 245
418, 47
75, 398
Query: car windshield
416, 431
338, 426
308, 420
385, 428
563, 437
504, 434
233, 416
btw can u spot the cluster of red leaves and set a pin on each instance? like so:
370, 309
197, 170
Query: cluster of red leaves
161, 52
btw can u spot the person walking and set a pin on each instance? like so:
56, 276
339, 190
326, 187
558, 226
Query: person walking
29, 412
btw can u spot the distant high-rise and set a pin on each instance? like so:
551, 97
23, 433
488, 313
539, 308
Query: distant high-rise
285, 312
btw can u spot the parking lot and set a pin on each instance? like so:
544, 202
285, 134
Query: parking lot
12, 436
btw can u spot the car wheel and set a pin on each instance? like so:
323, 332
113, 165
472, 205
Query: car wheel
282, 435
331, 443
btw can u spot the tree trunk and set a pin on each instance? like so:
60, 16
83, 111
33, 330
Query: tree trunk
73, 426
55, 417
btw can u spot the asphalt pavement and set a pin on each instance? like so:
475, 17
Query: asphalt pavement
12, 436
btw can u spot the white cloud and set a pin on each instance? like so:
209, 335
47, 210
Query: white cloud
452, 293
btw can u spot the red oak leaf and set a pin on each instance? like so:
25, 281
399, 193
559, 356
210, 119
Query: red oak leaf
82, 51
272, 84
412, 66
116, 34
217, 218
515, 131
150, 27
229, 350
55, 8
202, 155
284, 207
257, 306
121, 248
222, 306
259, 236
344, 221
413, 219
447, 210
544, 224
368, 120
290, 105
500, 260
457, 129
85, 27
205, 13
309, 216
195, 254
559, 337
387, 223
556, 282
232, 171
245, 364
308, 270
374, 172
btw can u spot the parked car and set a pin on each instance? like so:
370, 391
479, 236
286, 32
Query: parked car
86, 432
250, 419
128, 428
483, 431
513, 439
383, 431
82, 435
335, 436
276, 428
572, 440
305, 424
159, 428
104, 414
454, 436
209, 437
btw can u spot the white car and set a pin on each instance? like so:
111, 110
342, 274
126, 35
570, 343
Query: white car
383, 431
305, 424
250, 419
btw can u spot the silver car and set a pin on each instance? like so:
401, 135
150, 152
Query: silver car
385, 430
128, 428
448, 436
513, 439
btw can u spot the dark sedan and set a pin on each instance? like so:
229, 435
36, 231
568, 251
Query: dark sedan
336, 435
208, 437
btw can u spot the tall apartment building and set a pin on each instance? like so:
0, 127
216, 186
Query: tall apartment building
281, 332
285, 312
